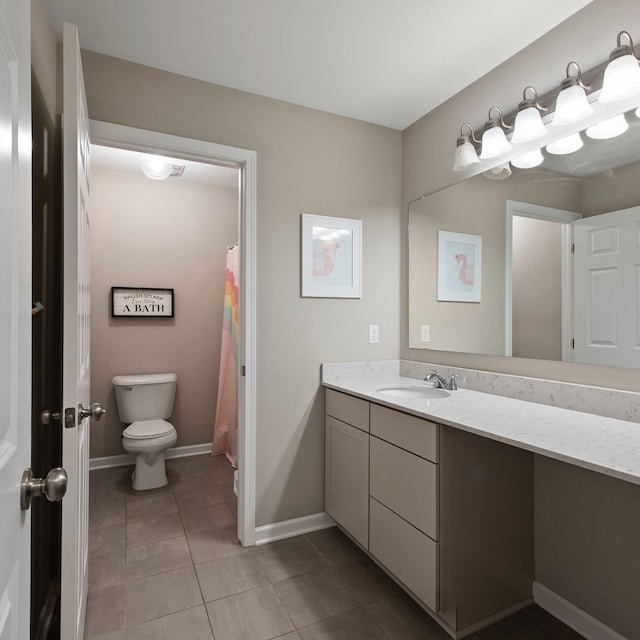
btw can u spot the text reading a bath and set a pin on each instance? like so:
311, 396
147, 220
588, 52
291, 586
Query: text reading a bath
134, 302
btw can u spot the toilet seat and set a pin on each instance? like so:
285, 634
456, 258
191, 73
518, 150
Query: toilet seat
145, 429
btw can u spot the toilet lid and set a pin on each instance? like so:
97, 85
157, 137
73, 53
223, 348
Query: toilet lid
148, 429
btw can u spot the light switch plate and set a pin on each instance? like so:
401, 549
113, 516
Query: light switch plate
374, 332
425, 333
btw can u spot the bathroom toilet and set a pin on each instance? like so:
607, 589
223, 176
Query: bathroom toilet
144, 403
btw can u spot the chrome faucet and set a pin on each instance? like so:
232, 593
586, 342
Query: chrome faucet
440, 383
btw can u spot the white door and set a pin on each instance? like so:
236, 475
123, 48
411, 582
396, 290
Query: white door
607, 288
75, 378
15, 314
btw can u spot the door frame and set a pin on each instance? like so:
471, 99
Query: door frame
565, 218
123, 137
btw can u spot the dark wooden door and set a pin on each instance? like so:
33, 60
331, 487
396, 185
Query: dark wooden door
46, 517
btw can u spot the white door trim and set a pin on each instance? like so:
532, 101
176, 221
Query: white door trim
565, 218
123, 137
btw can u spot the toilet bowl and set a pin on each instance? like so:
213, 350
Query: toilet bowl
144, 402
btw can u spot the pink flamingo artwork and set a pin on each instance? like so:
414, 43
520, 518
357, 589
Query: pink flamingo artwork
465, 273
323, 262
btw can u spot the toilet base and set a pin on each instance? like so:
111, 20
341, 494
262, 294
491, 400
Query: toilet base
149, 476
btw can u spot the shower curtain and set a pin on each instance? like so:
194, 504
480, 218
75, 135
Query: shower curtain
225, 430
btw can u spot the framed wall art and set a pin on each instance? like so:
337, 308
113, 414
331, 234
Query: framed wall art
331, 257
142, 302
459, 267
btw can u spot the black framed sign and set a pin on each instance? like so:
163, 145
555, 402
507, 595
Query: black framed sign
141, 302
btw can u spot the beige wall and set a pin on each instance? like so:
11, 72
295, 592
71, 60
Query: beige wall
595, 572
169, 234
308, 161
43, 54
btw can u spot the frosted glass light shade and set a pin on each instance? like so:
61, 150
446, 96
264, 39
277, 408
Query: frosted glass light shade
528, 126
529, 160
465, 156
608, 128
155, 167
501, 172
621, 79
569, 144
494, 143
572, 105
638, 112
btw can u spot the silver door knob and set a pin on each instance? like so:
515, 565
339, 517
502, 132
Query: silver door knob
94, 412
53, 487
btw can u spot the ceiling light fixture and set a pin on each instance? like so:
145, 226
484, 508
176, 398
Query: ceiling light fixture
622, 75
528, 125
529, 160
572, 104
494, 140
159, 168
466, 154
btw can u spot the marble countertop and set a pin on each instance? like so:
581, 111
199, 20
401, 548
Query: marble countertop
606, 445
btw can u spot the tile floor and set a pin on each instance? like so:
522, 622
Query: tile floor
166, 565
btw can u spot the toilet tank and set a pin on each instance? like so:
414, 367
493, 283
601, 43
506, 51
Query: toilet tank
145, 397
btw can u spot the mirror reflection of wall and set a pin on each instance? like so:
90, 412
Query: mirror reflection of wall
478, 206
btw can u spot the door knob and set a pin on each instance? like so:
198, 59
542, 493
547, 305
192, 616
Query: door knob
46, 416
94, 412
53, 487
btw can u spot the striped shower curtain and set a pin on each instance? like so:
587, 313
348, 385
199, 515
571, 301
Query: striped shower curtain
225, 430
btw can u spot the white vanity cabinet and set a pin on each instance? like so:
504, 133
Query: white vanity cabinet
449, 514
347, 463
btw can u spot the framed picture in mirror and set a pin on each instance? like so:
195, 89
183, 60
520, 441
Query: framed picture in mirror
459, 267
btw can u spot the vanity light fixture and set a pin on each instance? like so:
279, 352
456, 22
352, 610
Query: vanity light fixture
566, 145
466, 154
608, 128
572, 104
528, 124
159, 168
494, 140
622, 75
501, 172
528, 160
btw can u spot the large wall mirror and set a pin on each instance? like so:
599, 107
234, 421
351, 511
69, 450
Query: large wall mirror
537, 298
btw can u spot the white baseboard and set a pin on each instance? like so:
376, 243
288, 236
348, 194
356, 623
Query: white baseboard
572, 616
128, 458
295, 527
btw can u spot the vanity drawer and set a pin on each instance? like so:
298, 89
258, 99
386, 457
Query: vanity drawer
409, 432
406, 484
353, 411
408, 554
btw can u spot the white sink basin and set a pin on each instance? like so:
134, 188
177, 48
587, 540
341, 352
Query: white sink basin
426, 393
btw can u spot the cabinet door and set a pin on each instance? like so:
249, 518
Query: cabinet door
347, 478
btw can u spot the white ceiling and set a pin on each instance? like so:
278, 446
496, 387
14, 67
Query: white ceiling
383, 61
129, 161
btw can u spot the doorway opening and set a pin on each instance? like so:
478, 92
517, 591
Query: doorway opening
214, 157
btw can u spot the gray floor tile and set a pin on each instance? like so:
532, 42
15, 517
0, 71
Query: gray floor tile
293, 635
190, 624
203, 497
105, 612
233, 574
107, 539
151, 505
402, 619
107, 570
161, 595
252, 615
99, 518
366, 580
214, 543
287, 558
334, 546
153, 529
314, 596
157, 557
345, 626
210, 517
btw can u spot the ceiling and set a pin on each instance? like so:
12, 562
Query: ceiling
388, 62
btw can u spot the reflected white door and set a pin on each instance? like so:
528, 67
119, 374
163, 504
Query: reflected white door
607, 289
15, 314
75, 380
